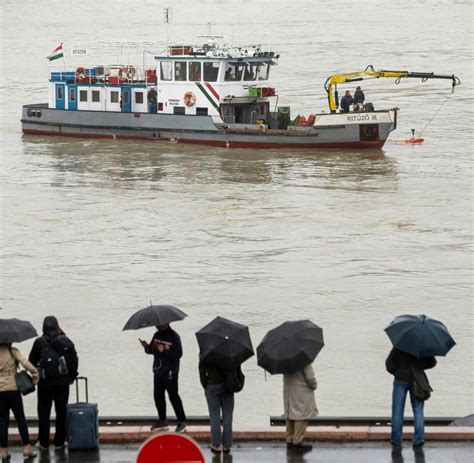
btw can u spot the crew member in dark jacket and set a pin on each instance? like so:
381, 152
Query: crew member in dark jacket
55, 356
400, 364
212, 380
359, 96
346, 102
166, 348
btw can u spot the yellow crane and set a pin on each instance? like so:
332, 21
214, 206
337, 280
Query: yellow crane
370, 73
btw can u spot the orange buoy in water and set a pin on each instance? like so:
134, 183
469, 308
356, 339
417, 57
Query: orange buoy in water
413, 140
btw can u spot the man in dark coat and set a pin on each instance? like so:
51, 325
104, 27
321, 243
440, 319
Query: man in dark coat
346, 101
359, 96
400, 364
55, 356
166, 348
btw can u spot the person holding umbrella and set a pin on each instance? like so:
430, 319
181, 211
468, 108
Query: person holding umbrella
290, 348
166, 348
416, 340
13, 330
223, 346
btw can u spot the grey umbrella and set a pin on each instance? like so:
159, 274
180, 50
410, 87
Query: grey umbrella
154, 315
14, 330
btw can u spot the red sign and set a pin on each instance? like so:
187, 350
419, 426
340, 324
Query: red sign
170, 448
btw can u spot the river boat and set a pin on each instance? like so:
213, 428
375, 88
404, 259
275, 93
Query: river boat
210, 94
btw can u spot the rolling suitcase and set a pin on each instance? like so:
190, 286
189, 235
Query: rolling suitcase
82, 422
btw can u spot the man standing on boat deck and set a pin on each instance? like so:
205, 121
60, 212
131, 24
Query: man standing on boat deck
346, 102
166, 349
152, 98
359, 96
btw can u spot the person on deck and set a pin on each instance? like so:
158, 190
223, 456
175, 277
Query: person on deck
359, 96
166, 348
300, 406
55, 356
346, 102
400, 364
152, 99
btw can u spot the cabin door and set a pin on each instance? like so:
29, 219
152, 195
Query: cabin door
60, 97
72, 97
126, 102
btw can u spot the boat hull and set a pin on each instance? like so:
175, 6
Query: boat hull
330, 131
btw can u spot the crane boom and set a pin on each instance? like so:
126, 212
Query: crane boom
370, 73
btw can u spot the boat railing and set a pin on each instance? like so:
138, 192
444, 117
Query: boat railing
229, 119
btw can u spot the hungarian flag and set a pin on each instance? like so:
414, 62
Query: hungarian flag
57, 53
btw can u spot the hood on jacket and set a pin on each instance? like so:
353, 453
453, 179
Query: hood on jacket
51, 327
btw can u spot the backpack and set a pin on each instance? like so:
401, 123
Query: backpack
421, 386
234, 381
52, 363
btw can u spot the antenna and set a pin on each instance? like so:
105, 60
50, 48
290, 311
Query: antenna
167, 14
209, 27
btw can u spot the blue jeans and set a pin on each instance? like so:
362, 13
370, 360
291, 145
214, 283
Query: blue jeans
399, 395
217, 401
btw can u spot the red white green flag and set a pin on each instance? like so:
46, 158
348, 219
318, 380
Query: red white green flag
56, 53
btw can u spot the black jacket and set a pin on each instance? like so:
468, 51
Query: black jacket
210, 374
359, 97
166, 363
399, 364
346, 101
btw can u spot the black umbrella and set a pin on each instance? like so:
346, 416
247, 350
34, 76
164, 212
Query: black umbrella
14, 330
154, 315
419, 335
224, 343
290, 347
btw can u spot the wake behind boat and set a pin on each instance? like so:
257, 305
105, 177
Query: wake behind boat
211, 94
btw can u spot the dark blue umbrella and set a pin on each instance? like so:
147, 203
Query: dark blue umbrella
419, 335
14, 330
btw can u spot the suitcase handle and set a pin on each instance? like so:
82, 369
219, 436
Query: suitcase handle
77, 388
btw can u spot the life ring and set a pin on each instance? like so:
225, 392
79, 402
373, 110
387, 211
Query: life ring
126, 73
189, 99
81, 72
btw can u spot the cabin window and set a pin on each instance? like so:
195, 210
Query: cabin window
211, 71
194, 71
263, 72
250, 72
59, 92
166, 70
180, 71
179, 110
234, 72
114, 97
83, 95
139, 97
160, 106
95, 96
34, 113
72, 95
201, 111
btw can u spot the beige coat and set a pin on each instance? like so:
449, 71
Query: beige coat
298, 394
10, 358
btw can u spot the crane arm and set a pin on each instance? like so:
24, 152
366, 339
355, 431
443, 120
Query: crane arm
370, 73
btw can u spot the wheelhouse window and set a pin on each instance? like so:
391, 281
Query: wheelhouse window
166, 70
194, 71
83, 95
114, 97
139, 97
234, 72
250, 72
210, 71
95, 96
263, 71
180, 71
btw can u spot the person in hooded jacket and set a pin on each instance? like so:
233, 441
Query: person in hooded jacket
166, 349
55, 356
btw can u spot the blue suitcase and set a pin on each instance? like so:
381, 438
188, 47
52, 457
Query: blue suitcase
82, 422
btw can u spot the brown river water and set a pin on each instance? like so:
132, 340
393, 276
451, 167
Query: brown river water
92, 230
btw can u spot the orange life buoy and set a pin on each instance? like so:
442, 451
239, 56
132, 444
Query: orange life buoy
81, 72
189, 99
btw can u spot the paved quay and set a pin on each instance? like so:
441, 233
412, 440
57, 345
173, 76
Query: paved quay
276, 452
